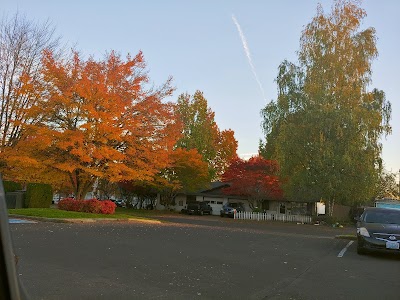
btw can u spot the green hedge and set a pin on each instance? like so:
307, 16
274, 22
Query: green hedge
38, 195
11, 186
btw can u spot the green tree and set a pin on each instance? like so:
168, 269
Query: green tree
387, 185
200, 131
187, 172
324, 128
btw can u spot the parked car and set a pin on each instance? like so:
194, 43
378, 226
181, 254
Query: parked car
199, 208
119, 202
378, 229
150, 206
229, 209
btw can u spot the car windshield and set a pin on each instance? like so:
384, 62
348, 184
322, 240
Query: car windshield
382, 217
176, 108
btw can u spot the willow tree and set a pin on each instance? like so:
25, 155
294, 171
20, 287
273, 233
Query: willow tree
325, 126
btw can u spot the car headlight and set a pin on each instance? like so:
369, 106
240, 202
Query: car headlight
363, 231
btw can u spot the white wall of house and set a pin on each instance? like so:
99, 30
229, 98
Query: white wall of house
288, 208
215, 202
320, 208
180, 202
273, 207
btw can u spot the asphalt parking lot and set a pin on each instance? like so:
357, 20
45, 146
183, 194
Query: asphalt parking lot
192, 257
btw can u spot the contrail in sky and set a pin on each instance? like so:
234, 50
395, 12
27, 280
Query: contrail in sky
247, 51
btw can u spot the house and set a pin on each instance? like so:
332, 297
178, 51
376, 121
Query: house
213, 195
216, 198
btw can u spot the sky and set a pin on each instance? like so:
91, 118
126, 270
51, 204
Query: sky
205, 45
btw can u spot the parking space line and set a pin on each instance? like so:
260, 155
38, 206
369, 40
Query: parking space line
19, 221
341, 253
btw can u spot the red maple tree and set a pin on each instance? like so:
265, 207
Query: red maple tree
256, 179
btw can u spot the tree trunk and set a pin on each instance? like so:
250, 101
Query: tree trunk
252, 203
329, 207
167, 199
81, 183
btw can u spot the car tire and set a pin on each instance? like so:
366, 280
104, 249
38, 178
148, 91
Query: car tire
221, 215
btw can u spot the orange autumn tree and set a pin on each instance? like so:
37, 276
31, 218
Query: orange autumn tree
98, 120
187, 172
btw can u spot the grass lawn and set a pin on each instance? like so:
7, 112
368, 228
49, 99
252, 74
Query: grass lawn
120, 213
143, 212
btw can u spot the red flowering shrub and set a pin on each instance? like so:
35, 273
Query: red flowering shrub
108, 207
90, 206
70, 204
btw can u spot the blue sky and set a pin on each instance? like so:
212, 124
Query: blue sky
197, 43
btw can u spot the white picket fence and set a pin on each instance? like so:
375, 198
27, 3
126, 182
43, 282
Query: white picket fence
246, 215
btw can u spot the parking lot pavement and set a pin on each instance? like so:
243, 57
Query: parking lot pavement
373, 276
195, 259
270, 226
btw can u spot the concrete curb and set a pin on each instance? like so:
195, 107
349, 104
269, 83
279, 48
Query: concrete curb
85, 220
148, 221
352, 237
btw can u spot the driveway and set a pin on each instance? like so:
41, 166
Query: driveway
193, 257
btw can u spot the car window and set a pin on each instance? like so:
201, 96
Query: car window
392, 218
382, 217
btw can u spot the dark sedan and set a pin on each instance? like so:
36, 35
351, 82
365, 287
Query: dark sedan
198, 208
378, 229
229, 209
